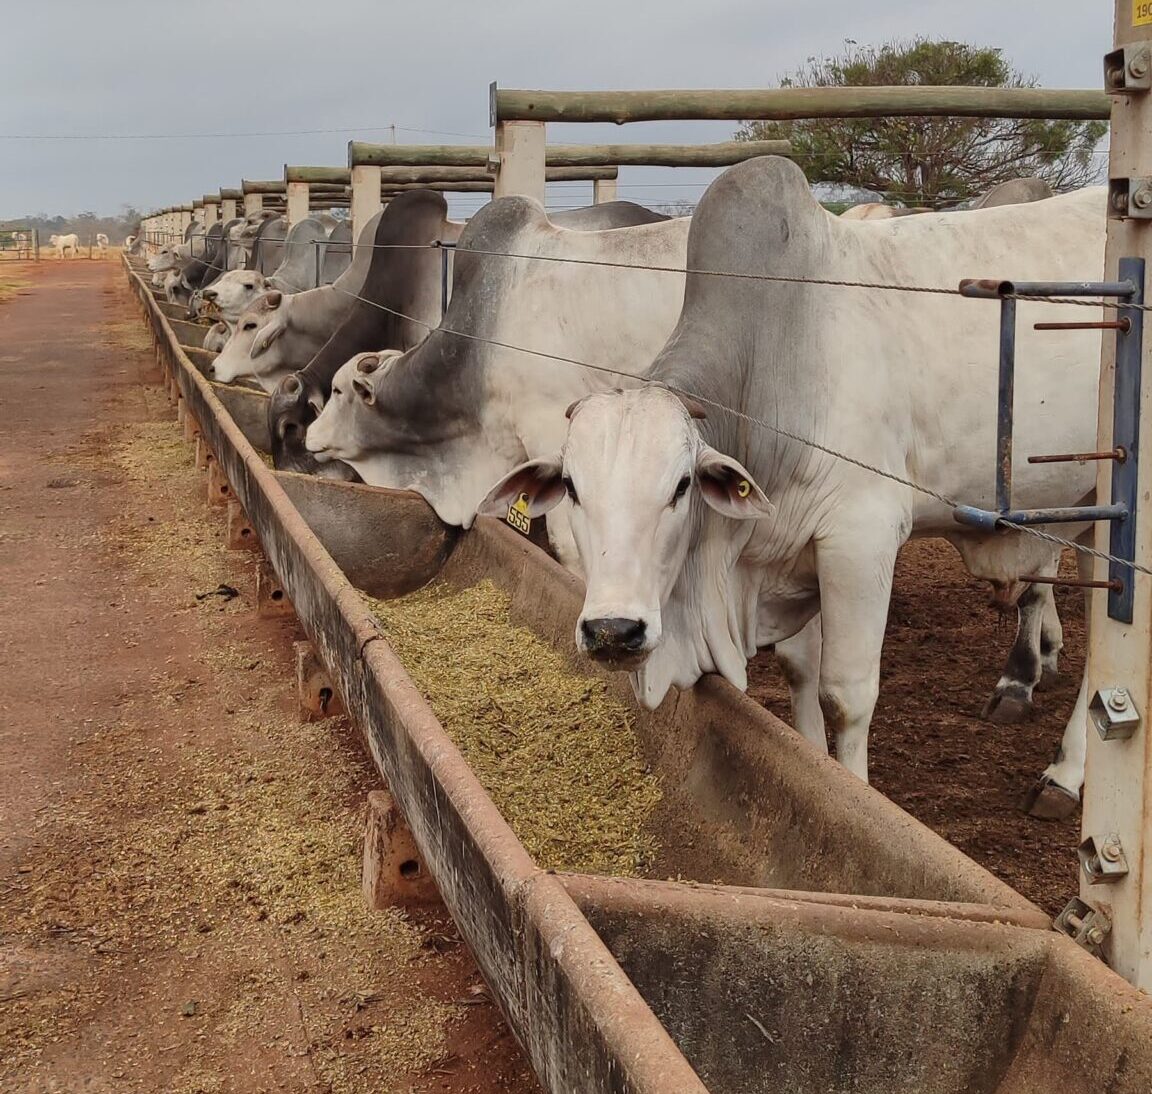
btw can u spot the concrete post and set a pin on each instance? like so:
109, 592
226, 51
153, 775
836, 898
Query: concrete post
366, 201
211, 213
297, 202
603, 190
520, 154
187, 213
253, 203
1118, 790
227, 209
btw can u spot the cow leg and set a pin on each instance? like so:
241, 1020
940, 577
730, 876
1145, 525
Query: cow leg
1057, 792
1011, 702
855, 575
799, 659
1051, 637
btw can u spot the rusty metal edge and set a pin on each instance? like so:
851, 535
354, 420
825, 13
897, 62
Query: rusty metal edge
580, 1019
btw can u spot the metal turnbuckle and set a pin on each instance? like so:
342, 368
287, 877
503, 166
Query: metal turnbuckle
1121, 512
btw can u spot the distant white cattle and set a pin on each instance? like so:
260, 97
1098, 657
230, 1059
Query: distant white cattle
63, 244
102, 244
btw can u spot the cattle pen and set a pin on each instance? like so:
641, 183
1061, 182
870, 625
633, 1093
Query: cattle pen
825, 940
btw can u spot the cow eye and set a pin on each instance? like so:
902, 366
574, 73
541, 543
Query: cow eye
681, 488
336, 390
249, 326
570, 490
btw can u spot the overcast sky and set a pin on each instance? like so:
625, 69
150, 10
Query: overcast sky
78, 68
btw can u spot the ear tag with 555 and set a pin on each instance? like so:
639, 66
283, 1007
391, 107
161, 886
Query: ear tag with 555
518, 515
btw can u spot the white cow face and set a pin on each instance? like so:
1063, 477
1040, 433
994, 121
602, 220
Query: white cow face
250, 354
164, 259
634, 469
234, 291
343, 428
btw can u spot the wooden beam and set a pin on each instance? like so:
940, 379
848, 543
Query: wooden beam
321, 176
263, 186
444, 156
785, 103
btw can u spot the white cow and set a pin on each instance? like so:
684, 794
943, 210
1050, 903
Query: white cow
234, 291
691, 568
66, 243
102, 244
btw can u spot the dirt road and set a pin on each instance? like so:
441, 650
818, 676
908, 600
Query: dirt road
179, 856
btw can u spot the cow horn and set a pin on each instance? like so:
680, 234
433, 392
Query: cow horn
368, 364
572, 408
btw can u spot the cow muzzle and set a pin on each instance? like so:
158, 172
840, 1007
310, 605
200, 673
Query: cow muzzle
617, 643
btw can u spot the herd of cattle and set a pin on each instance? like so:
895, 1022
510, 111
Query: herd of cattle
676, 396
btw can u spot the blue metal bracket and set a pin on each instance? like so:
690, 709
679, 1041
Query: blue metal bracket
1125, 419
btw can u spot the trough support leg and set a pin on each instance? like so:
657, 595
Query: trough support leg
204, 455
394, 874
241, 535
314, 690
219, 489
191, 429
181, 411
271, 600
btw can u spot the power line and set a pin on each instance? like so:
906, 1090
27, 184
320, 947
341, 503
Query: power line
217, 136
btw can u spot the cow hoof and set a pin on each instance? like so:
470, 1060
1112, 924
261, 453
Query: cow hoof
1048, 800
1004, 709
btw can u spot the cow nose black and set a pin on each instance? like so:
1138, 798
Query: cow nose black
614, 634
209, 294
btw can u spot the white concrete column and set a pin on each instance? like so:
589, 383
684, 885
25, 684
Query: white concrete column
297, 202
520, 154
227, 209
253, 203
366, 201
603, 190
198, 212
211, 213
185, 218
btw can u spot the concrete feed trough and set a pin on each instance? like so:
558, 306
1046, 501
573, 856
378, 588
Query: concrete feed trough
880, 960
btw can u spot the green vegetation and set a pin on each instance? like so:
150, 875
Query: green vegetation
930, 161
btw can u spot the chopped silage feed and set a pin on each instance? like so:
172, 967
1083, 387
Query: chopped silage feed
555, 750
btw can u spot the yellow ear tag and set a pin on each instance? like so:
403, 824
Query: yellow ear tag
743, 488
518, 515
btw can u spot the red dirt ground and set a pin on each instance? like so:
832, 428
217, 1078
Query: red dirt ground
179, 905
929, 750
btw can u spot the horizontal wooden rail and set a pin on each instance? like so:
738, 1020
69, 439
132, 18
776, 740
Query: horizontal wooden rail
362, 153
786, 103
402, 175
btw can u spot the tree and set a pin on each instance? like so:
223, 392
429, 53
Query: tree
930, 161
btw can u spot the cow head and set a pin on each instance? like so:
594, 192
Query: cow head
387, 420
635, 472
163, 260
295, 405
251, 352
232, 292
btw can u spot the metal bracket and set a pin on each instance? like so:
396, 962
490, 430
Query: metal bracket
1130, 198
1102, 859
1113, 713
1129, 328
1085, 925
1129, 69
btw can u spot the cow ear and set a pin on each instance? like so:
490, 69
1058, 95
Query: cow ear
265, 338
364, 390
537, 485
272, 300
728, 487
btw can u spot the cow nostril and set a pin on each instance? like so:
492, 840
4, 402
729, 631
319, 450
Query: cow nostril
614, 634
